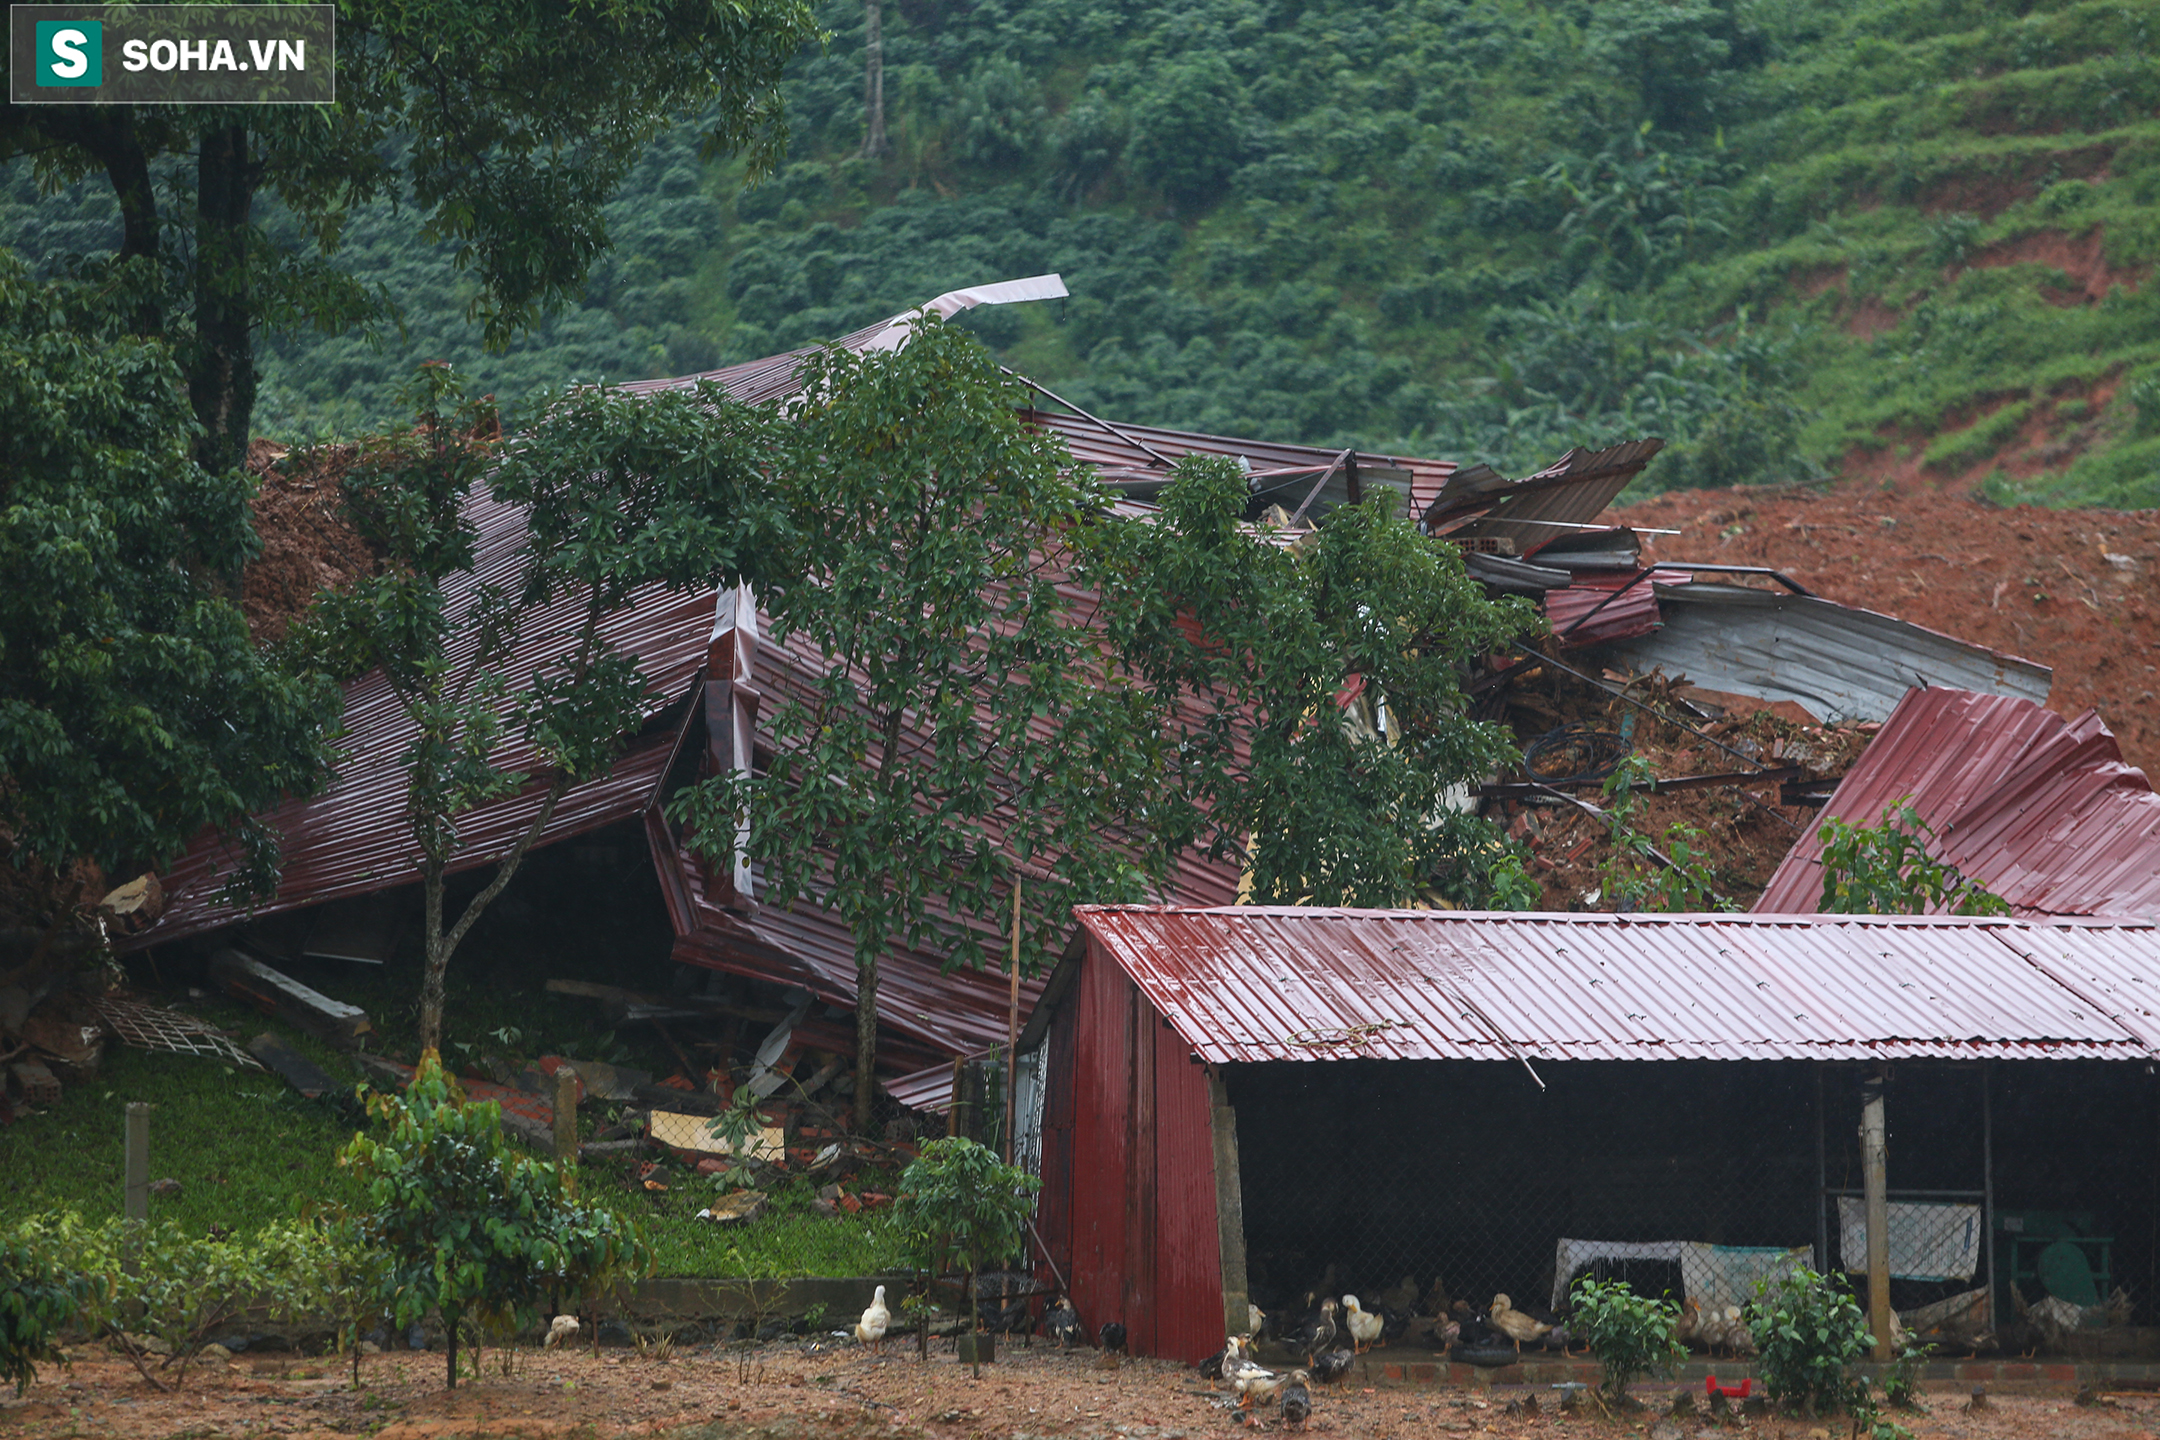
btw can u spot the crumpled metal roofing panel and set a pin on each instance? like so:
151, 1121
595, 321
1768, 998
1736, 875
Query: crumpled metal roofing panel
1258, 984
1574, 490
1841, 663
353, 838
2041, 810
1635, 612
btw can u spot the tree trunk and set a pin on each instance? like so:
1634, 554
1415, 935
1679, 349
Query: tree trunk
437, 962
221, 370
874, 143
865, 1043
128, 168
450, 1319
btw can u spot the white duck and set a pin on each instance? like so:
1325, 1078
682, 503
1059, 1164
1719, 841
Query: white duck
875, 1321
1364, 1328
564, 1329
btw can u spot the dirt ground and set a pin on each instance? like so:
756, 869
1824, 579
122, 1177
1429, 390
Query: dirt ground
791, 1389
2071, 589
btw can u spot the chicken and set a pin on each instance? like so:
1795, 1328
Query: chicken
1112, 1336
1313, 1332
870, 1330
1514, 1324
1062, 1324
1364, 1328
561, 1332
1333, 1367
1296, 1401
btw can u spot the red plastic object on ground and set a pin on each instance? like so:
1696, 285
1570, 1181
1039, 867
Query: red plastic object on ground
1730, 1392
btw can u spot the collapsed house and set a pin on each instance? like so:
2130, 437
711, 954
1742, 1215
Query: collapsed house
1260, 1105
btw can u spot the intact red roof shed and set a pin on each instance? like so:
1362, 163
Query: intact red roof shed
1142, 1208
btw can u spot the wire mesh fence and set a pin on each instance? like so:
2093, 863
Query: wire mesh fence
1459, 1202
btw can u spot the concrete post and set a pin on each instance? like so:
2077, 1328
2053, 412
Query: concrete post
138, 1160
1875, 1168
566, 1142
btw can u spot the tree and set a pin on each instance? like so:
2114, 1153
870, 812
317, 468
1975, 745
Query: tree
960, 1206
954, 740
1886, 869
468, 1226
505, 127
1311, 691
134, 709
618, 494
874, 144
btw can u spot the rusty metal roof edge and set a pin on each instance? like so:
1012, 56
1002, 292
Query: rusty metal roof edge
1616, 917
1238, 988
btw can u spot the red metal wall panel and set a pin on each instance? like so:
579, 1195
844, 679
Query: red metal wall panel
1102, 1087
1129, 1170
1187, 1311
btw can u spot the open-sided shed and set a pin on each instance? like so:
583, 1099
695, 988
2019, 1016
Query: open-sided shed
1250, 1102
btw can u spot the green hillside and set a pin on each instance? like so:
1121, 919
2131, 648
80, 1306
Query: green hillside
1917, 235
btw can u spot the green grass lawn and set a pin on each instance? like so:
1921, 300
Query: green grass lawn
248, 1151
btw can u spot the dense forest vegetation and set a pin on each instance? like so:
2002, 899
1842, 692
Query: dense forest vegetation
1784, 233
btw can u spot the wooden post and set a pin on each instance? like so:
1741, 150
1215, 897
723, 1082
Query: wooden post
1229, 1210
566, 1142
1875, 1169
1012, 1026
138, 1161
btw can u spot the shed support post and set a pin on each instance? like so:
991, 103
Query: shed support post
1875, 1167
1229, 1209
1987, 1181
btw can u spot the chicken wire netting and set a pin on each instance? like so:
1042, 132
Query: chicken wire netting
2021, 1213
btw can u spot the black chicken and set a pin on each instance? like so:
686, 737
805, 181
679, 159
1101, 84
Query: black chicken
1333, 1367
1062, 1324
1313, 1334
1296, 1401
1112, 1336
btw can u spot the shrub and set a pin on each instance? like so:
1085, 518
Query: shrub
1631, 1334
1901, 1382
1808, 1330
465, 1224
1886, 870
41, 1293
962, 1208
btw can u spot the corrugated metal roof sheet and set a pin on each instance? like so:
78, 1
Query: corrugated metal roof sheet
1253, 984
1634, 612
1574, 490
2040, 810
354, 838
1842, 664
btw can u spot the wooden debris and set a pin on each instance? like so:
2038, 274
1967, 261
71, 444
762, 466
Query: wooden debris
276, 993
694, 1133
300, 1072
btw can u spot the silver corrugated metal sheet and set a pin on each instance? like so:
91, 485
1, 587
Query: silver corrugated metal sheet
1254, 984
2038, 809
1840, 663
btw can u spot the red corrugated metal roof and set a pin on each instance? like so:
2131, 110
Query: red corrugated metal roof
1253, 984
1635, 612
2038, 809
354, 838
